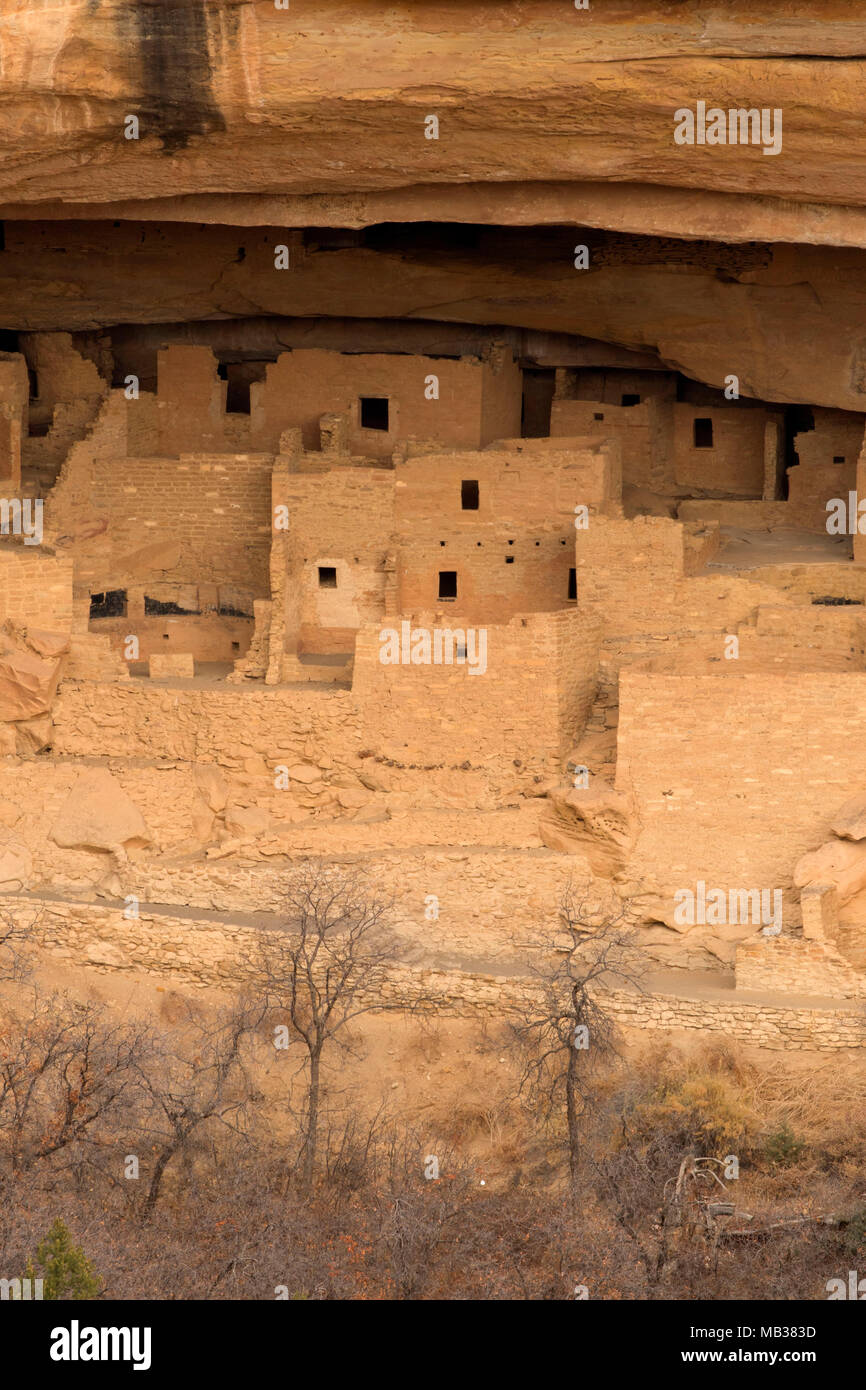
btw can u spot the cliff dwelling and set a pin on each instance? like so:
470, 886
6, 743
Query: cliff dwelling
430, 468
234, 512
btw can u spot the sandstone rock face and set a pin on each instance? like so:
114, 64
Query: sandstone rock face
31, 663
99, 815
597, 822
27, 684
246, 821
838, 864
29, 671
262, 119
236, 98
700, 307
850, 820
212, 785
16, 863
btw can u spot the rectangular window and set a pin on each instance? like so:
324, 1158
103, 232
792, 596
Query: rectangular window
111, 604
374, 412
238, 398
154, 607
630, 400
572, 583
447, 583
469, 495
703, 434
327, 577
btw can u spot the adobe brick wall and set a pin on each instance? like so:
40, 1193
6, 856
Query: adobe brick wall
735, 463
207, 637
797, 966
641, 579
195, 519
35, 588
513, 553
478, 401
521, 481
638, 429
430, 712
501, 571
737, 775
222, 724
190, 401
342, 519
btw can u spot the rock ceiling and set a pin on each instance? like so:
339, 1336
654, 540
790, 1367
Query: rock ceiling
555, 126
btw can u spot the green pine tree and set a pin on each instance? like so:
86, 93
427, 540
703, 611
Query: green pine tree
67, 1272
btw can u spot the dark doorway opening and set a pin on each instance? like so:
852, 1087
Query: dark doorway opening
447, 583
469, 494
798, 419
703, 433
374, 412
539, 385
237, 389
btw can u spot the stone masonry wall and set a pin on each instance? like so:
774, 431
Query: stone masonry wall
200, 953
738, 775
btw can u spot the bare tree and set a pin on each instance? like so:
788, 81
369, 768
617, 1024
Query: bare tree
16, 940
324, 972
63, 1068
568, 1034
201, 1082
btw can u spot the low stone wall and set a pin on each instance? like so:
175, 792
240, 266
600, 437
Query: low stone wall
798, 965
197, 952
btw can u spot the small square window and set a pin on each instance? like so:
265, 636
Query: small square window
838, 458
703, 434
598, 417
447, 583
509, 559
374, 412
469, 495
327, 577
